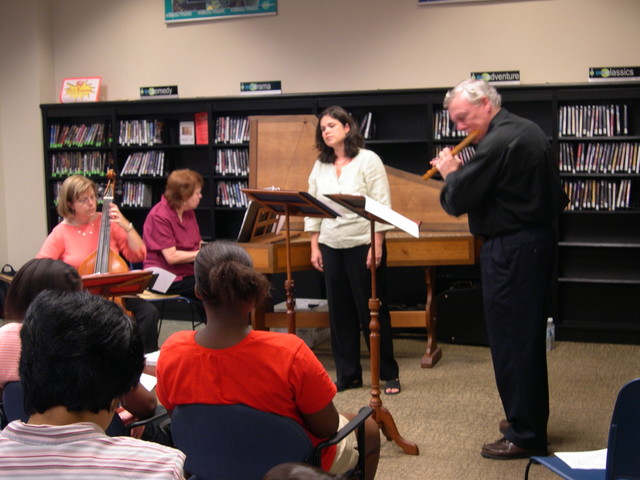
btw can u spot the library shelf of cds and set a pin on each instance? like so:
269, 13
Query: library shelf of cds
595, 130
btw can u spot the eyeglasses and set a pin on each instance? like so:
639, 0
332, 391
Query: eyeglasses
85, 200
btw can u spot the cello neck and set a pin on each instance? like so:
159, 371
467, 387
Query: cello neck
104, 241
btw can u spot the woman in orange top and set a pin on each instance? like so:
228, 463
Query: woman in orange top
227, 362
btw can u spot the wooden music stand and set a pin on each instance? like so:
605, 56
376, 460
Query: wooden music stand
113, 285
375, 212
290, 203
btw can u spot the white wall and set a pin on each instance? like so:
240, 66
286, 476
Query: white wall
26, 74
311, 46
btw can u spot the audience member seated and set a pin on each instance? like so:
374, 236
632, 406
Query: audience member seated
228, 363
46, 274
80, 355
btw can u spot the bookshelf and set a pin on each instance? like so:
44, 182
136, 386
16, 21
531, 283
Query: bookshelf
598, 283
599, 245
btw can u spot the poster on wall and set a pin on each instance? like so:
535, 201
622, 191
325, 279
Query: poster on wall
445, 2
76, 90
192, 10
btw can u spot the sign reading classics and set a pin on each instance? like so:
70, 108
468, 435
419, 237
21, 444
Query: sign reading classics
192, 10
612, 74
84, 89
257, 88
168, 91
510, 77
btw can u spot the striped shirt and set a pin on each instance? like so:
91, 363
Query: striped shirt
82, 451
9, 353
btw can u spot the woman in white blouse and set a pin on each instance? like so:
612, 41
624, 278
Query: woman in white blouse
341, 247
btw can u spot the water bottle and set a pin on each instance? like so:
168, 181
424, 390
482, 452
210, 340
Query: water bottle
551, 335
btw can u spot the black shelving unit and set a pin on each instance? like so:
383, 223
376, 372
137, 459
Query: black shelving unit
598, 285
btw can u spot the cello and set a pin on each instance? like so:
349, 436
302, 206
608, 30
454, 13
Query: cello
105, 259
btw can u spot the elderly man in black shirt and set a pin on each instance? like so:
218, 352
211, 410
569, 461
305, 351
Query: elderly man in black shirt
512, 194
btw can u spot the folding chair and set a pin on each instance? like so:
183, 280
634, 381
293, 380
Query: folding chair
623, 449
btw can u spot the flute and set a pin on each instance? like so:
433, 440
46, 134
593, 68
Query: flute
456, 150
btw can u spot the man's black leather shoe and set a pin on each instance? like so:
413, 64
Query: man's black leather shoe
504, 449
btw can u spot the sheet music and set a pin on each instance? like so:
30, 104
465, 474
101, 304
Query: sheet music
391, 216
591, 460
148, 381
164, 280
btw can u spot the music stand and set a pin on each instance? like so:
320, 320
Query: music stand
113, 285
290, 203
376, 212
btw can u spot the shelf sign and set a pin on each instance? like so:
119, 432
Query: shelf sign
613, 74
260, 88
510, 77
169, 91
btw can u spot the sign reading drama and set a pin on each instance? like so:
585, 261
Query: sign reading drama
169, 91
511, 77
257, 88
612, 74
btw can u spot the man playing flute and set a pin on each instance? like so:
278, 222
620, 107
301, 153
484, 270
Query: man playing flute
512, 194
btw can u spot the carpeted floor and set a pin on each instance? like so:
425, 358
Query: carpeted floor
449, 411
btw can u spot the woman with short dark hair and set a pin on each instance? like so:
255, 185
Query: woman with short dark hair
171, 232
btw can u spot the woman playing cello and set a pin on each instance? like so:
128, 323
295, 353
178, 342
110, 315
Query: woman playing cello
76, 238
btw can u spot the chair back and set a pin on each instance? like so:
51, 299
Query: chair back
236, 441
623, 450
13, 402
13, 406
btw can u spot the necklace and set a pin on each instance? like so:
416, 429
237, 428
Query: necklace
83, 229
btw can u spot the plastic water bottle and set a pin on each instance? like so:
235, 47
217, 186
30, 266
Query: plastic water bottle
551, 334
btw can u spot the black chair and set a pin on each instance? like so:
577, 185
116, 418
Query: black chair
241, 442
13, 402
13, 409
623, 448
162, 299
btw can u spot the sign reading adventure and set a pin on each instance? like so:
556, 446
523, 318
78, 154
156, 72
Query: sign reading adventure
510, 77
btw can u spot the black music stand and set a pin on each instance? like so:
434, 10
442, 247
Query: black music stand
290, 203
375, 212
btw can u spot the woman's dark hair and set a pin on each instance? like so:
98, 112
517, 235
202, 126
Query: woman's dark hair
180, 186
79, 351
225, 278
35, 276
353, 142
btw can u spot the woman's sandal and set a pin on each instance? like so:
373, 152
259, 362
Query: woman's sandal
392, 387
341, 385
